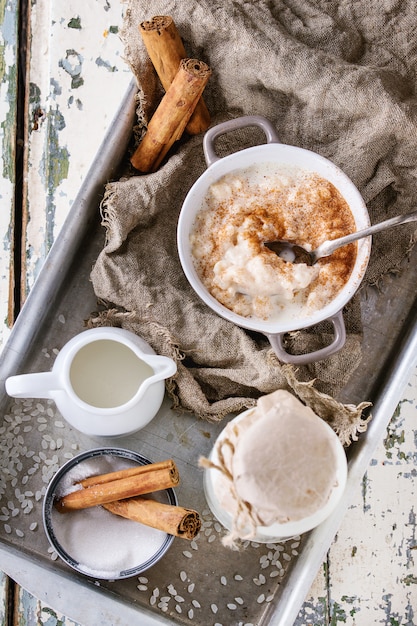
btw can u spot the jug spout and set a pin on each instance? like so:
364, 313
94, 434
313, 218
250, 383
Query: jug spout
36, 385
163, 367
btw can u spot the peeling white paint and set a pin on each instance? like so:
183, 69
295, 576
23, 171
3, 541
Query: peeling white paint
78, 99
372, 564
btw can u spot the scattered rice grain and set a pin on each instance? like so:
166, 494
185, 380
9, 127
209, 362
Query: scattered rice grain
231, 606
183, 576
260, 598
223, 580
142, 587
191, 587
187, 554
207, 524
190, 614
214, 608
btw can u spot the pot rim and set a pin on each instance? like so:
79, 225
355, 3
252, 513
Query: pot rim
281, 154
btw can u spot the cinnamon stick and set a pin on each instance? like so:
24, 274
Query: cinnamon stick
170, 118
137, 470
174, 520
125, 486
166, 50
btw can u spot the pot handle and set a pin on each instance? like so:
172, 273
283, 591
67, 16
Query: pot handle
240, 122
302, 359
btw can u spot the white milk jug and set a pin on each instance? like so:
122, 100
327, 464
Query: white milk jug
105, 381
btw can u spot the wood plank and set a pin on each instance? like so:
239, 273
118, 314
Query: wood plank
8, 99
29, 611
373, 563
4, 598
77, 80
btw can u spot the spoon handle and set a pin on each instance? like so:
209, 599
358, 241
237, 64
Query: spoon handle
327, 247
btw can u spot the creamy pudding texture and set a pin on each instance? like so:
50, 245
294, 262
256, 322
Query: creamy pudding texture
262, 203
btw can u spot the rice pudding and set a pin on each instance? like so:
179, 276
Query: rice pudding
268, 202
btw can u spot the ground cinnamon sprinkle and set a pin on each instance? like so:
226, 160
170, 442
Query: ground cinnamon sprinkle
264, 203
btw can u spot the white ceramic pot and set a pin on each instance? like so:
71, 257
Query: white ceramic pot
274, 152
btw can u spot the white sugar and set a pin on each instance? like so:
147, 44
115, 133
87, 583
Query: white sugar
104, 543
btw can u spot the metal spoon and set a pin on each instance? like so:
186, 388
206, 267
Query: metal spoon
293, 253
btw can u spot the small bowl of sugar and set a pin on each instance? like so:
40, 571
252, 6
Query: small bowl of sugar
86, 534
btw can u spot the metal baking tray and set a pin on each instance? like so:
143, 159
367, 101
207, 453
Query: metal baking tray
199, 582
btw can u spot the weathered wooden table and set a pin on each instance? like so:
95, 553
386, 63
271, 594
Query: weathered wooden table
57, 99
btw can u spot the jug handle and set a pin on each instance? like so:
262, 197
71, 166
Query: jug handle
303, 359
36, 385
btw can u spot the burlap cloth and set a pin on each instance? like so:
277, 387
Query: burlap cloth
334, 77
